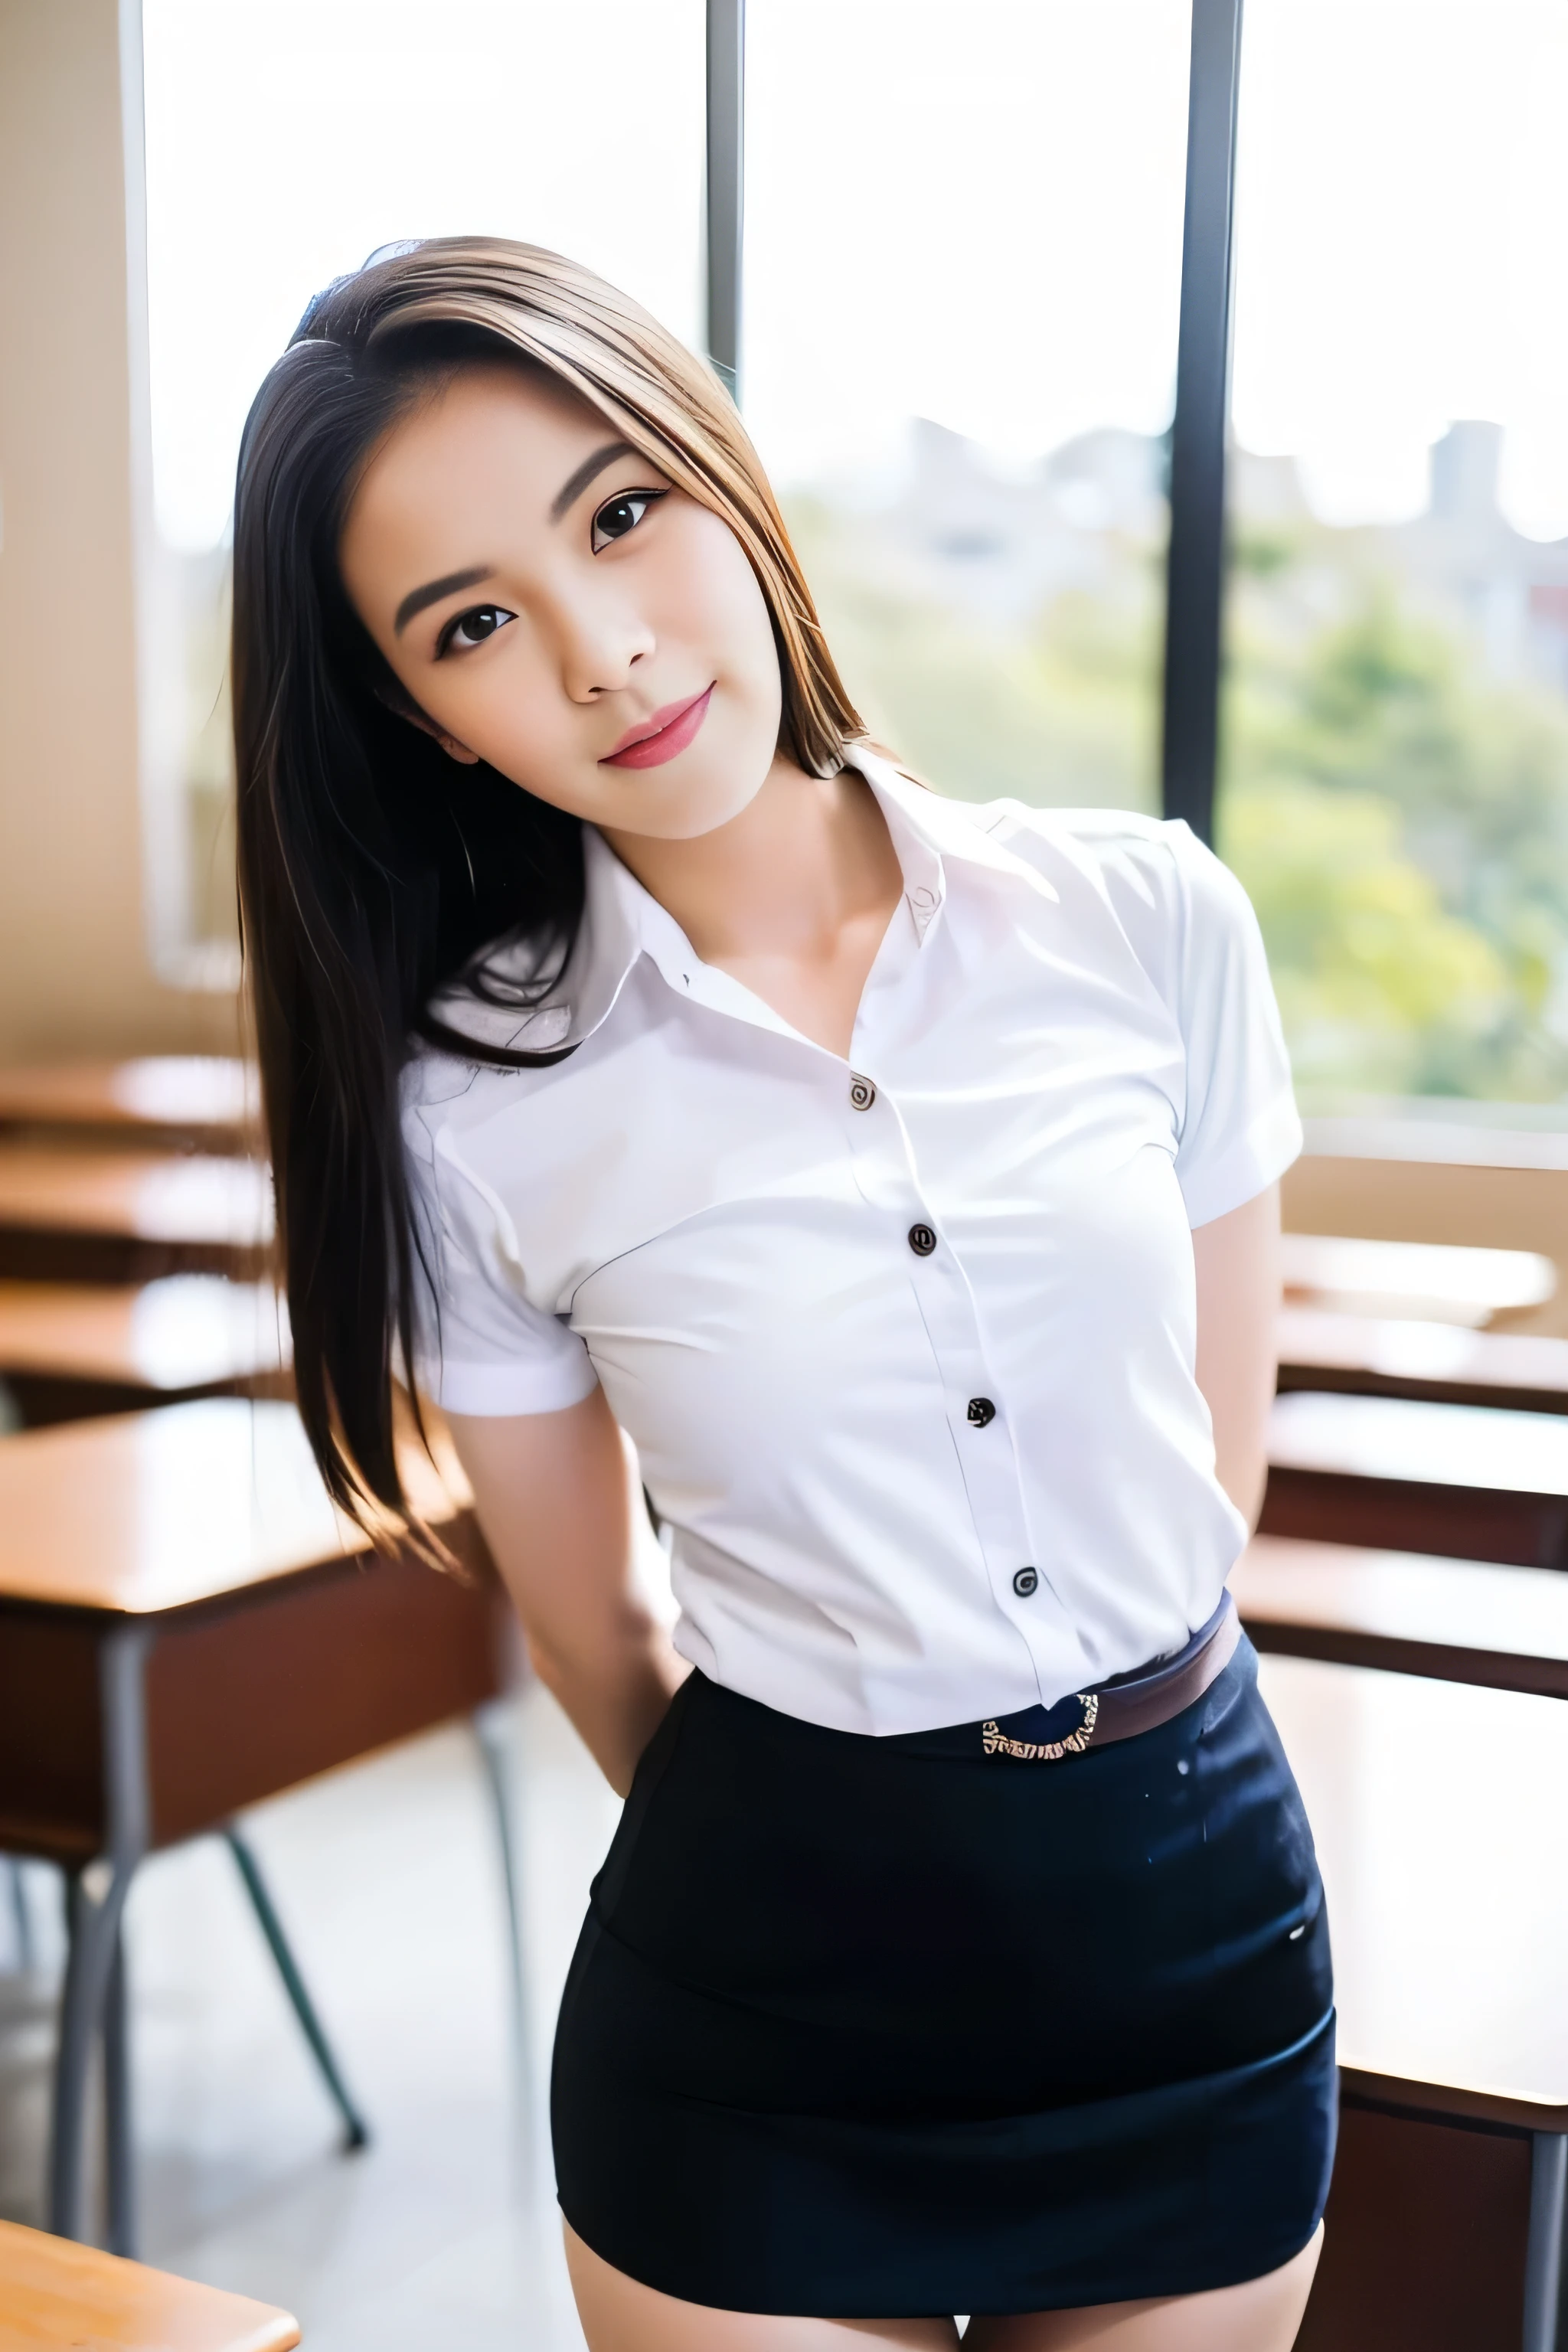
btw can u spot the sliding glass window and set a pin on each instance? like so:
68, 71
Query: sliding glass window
1394, 762
962, 264
285, 140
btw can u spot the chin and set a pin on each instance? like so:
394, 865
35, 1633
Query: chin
688, 822
685, 809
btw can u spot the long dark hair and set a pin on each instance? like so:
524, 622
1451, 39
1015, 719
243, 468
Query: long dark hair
374, 871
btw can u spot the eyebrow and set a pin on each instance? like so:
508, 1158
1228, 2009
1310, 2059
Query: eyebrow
417, 599
575, 486
434, 589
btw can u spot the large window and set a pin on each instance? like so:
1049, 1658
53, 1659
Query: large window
962, 284
962, 264
1395, 749
285, 140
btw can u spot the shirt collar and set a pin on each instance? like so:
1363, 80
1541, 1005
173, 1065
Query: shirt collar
622, 921
931, 833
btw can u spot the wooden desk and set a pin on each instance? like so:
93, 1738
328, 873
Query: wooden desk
1457, 1620
1443, 1838
1443, 1363
186, 1627
69, 1351
54, 2293
200, 1101
1439, 1178
1468, 1481
70, 1215
1429, 1280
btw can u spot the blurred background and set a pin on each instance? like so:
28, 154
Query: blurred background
963, 267
961, 312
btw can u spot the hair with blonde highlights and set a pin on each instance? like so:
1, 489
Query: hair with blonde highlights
374, 874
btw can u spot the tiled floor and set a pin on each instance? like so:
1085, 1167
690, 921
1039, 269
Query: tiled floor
443, 2233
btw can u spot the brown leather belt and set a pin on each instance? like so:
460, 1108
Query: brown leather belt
1128, 1704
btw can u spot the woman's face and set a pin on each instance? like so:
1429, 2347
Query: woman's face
555, 607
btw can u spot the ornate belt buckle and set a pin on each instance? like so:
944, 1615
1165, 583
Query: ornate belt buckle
1049, 1751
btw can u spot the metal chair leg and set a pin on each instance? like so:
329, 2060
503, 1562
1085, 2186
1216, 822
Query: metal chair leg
356, 2131
117, 2106
1543, 2268
494, 1734
21, 1916
95, 1903
80, 2011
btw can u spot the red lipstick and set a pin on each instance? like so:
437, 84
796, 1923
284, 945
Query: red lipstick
661, 735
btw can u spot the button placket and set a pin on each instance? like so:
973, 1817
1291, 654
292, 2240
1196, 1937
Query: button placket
886, 1169
990, 1471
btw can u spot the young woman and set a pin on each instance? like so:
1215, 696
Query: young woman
644, 1052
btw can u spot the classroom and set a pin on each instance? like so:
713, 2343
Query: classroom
640, 1705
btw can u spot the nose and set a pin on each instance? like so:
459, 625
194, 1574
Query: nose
602, 638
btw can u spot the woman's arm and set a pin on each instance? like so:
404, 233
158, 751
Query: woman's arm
557, 1501
1238, 1259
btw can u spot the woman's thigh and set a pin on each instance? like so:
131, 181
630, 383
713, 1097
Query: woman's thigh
620, 2315
1262, 2314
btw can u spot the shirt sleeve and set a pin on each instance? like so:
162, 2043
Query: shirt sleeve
481, 1345
1240, 1130
1192, 927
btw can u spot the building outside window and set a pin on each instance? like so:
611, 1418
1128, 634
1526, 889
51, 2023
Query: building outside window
964, 247
1395, 759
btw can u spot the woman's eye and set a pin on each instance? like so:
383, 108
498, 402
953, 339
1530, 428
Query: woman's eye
619, 515
471, 628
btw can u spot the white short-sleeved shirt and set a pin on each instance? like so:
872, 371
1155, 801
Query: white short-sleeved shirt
889, 1332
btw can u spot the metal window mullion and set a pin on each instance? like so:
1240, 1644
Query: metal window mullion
726, 107
1194, 576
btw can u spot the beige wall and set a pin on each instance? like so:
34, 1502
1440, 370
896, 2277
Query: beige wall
76, 974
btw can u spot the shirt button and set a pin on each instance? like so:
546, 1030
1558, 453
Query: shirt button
923, 1241
921, 897
980, 1412
862, 1093
1024, 1582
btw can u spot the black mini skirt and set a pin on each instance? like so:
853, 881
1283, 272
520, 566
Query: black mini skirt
863, 2028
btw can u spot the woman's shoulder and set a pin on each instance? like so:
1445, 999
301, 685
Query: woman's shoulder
447, 1098
1168, 893
1157, 857
504, 1004
1192, 927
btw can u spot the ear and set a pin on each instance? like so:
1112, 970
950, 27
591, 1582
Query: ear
405, 706
454, 749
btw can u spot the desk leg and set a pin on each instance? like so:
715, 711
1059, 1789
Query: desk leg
97, 1901
1544, 2258
494, 1732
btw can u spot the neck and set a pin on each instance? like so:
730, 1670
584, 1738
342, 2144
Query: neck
806, 856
